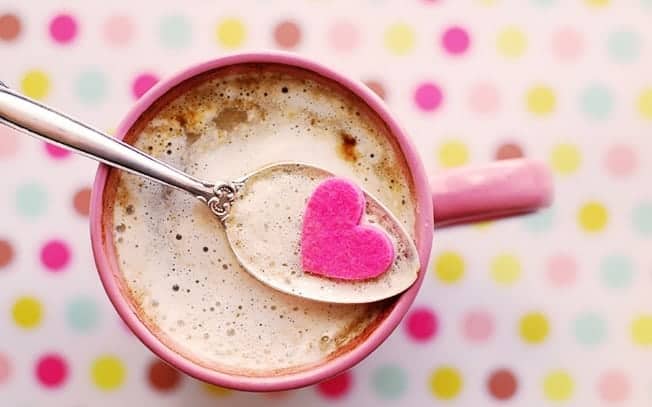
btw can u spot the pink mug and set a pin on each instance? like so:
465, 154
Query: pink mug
499, 189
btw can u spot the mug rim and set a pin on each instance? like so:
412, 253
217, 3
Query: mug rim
106, 265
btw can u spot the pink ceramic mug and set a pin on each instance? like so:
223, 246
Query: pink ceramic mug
502, 188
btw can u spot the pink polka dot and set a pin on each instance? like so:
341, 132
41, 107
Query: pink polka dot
477, 326
428, 96
63, 28
484, 98
421, 324
118, 30
55, 255
621, 161
567, 44
5, 368
336, 387
142, 84
561, 270
56, 152
51, 371
455, 40
343, 36
613, 386
8, 142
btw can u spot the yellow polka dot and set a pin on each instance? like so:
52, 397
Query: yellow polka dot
27, 312
597, 3
511, 42
541, 100
108, 372
399, 38
558, 386
642, 330
449, 267
505, 269
445, 383
216, 391
534, 328
593, 217
482, 225
231, 33
487, 2
35, 84
565, 159
645, 104
453, 154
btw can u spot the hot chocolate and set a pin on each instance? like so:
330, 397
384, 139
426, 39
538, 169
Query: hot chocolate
176, 266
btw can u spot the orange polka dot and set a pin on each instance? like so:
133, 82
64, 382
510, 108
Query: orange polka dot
81, 201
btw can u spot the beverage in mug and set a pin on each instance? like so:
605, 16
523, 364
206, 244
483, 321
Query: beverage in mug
176, 267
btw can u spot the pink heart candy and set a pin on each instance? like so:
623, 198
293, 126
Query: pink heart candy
333, 243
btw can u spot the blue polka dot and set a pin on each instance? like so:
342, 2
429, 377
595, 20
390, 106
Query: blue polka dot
389, 382
589, 329
617, 271
91, 87
539, 222
82, 314
624, 46
175, 32
31, 200
596, 101
642, 219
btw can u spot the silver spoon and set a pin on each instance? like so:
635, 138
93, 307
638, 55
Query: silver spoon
232, 202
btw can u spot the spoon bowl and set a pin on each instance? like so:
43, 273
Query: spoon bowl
263, 227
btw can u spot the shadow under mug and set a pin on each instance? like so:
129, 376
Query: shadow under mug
467, 194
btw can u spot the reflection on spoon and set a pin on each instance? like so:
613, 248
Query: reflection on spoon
263, 226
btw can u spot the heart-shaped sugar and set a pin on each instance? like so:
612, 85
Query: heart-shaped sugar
333, 243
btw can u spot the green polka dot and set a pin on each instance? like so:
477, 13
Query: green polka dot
82, 314
389, 382
589, 329
624, 46
539, 222
91, 87
642, 219
596, 101
31, 200
175, 32
543, 3
616, 271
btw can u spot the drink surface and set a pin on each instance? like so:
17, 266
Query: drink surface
176, 266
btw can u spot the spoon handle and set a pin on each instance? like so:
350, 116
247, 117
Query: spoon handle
35, 119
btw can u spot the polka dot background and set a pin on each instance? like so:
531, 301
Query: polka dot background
550, 308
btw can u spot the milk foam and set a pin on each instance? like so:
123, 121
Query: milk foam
185, 283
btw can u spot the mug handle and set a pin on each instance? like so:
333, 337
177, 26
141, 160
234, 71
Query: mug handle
499, 189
